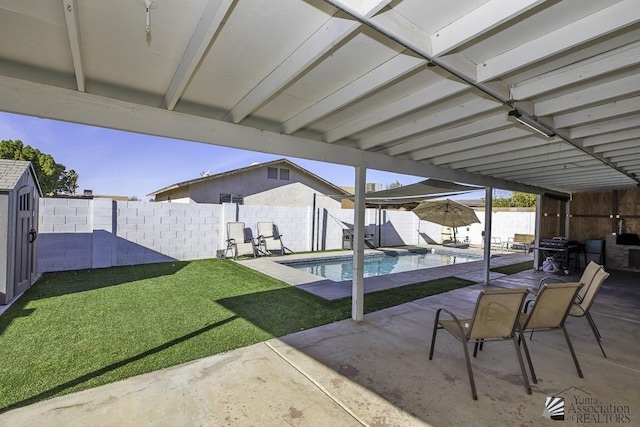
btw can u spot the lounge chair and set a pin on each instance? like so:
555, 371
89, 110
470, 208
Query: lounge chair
548, 313
496, 243
269, 239
495, 318
238, 242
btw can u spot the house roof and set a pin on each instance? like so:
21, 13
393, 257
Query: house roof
278, 162
407, 86
12, 170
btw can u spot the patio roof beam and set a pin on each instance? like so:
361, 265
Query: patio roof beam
35, 99
526, 166
75, 44
632, 134
470, 129
478, 22
622, 15
207, 28
431, 120
582, 71
322, 41
589, 95
488, 148
601, 112
430, 94
557, 149
387, 72
606, 127
470, 146
603, 22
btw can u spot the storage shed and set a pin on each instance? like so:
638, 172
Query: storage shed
19, 196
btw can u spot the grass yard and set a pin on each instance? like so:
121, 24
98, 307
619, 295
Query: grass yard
514, 268
76, 330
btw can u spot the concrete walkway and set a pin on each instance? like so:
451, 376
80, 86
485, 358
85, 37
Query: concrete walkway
377, 373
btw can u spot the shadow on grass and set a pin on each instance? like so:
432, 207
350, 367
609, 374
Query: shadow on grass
60, 389
284, 311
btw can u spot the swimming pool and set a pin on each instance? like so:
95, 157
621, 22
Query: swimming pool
339, 269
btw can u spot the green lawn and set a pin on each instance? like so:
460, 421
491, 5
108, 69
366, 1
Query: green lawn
76, 330
514, 268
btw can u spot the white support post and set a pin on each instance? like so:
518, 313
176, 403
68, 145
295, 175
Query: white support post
488, 207
357, 289
536, 243
567, 218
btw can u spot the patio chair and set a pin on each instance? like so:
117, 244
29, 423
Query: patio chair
584, 301
548, 313
495, 317
269, 239
238, 242
496, 243
587, 278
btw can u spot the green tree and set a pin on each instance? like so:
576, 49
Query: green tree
53, 177
515, 200
396, 184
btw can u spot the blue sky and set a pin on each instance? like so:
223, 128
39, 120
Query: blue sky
127, 164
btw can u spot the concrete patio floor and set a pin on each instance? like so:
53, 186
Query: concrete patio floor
377, 373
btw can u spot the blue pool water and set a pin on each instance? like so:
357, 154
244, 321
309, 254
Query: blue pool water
379, 265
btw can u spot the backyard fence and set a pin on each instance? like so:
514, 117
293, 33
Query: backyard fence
79, 234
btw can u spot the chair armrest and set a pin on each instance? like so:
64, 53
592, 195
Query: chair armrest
453, 316
545, 279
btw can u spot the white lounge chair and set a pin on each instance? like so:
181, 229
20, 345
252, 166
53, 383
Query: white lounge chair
237, 241
269, 239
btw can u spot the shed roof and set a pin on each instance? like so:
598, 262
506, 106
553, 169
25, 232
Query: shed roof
11, 171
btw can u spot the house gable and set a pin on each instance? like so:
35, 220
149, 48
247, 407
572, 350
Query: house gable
237, 185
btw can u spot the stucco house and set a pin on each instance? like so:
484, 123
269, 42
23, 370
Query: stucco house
276, 183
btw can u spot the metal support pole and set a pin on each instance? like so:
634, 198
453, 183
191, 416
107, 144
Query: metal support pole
357, 289
536, 243
488, 207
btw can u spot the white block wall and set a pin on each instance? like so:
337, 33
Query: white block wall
80, 234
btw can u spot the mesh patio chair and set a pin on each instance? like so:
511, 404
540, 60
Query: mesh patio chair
586, 279
238, 242
584, 301
495, 317
591, 280
548, 313
269, 239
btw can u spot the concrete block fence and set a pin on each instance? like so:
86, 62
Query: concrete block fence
79, 234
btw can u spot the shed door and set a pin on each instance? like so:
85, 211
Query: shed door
25, 236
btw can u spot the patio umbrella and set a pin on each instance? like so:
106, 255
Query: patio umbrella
446, 213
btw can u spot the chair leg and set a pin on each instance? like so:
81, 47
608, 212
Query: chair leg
593, 324
471, 381
573, 353
525, 378
433, 336
595, 333
528, 356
